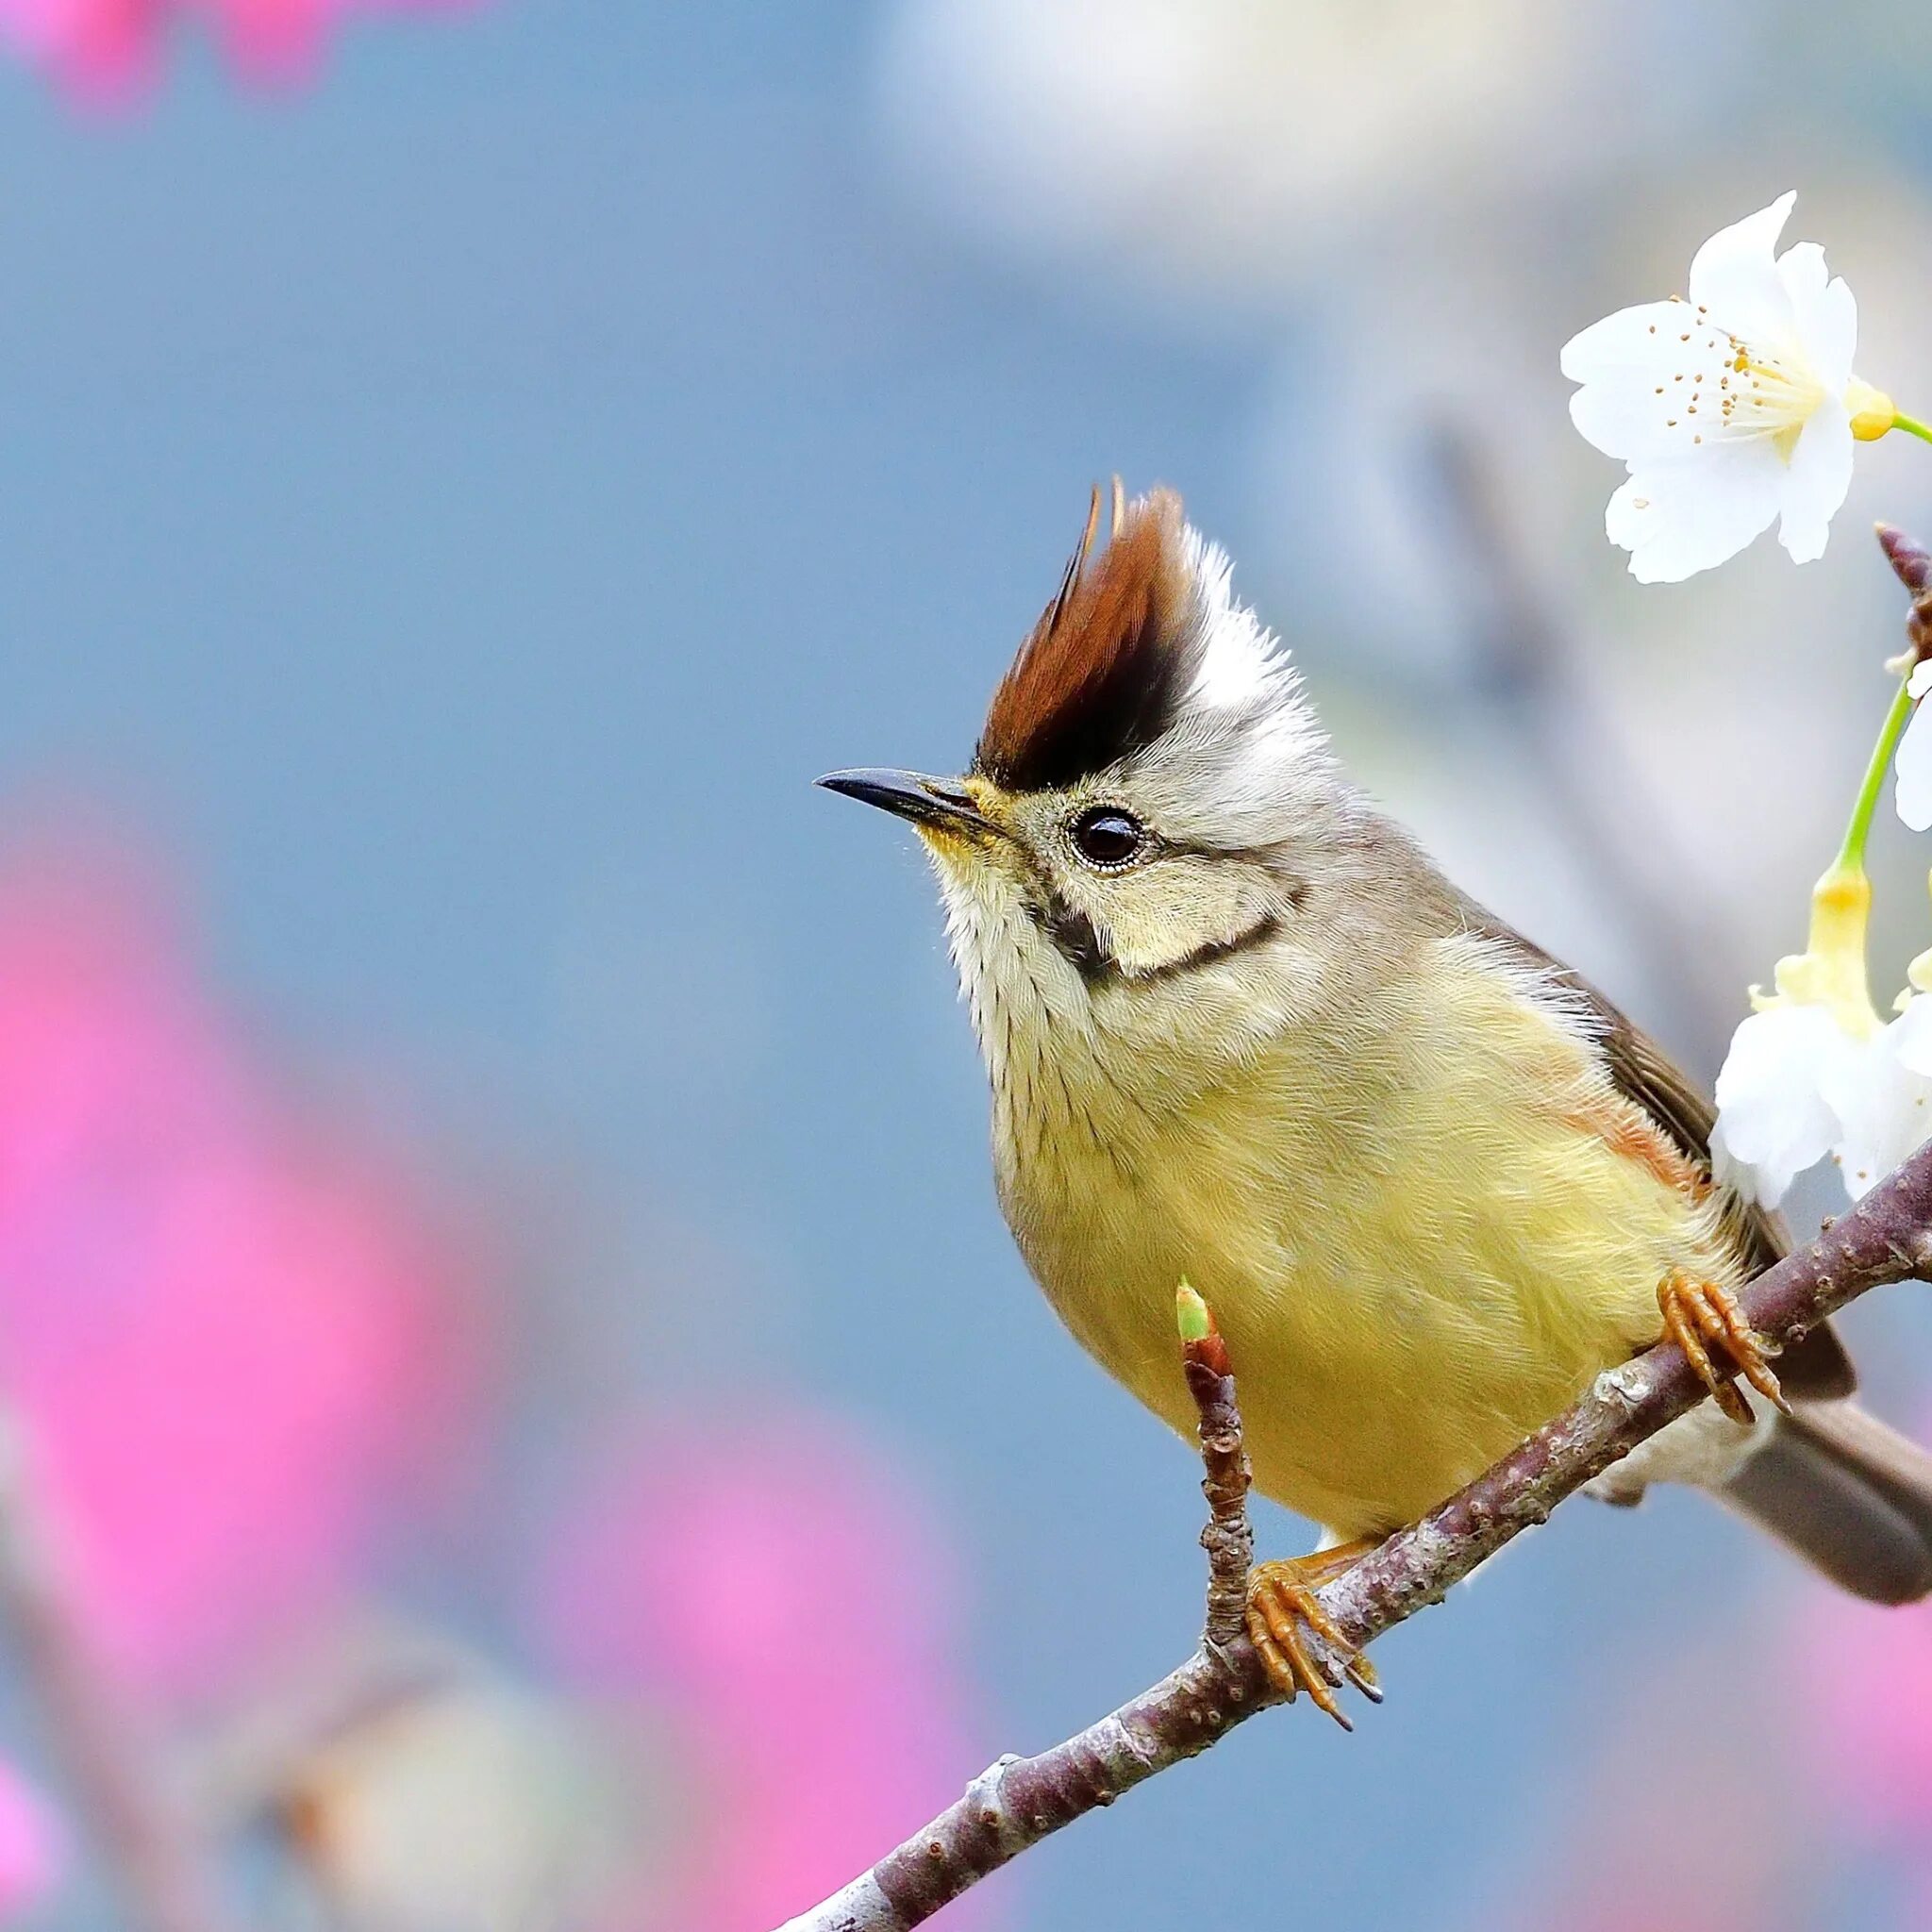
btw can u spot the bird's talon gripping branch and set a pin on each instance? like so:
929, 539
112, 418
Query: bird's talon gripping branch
1701, 1315
1281, 1601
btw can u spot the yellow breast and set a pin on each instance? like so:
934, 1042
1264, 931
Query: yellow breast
1421, 1239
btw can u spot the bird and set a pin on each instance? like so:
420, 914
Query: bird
1240, 1030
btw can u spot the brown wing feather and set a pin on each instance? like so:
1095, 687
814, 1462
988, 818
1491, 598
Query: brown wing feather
1815, 1370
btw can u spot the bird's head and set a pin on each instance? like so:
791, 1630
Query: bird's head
1151, 823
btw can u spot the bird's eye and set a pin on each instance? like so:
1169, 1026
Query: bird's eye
1107, 838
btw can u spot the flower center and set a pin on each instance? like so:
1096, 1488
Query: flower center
1727, 386
1763, 393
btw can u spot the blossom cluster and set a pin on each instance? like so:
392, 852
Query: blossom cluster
1733, 407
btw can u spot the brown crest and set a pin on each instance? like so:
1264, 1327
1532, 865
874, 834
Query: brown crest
1107, 664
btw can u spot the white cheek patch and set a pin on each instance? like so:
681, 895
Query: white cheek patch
1185, 912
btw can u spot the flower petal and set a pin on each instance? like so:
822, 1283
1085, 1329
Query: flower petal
1735, 277
1680, 517
1633, 339
1911, 1034
1816, 480
1640, 371
1774, 1119
1825, 313
1912, 791
1884, 1107
1624, 418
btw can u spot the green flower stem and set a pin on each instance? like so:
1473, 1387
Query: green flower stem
1851, 854
1912, 426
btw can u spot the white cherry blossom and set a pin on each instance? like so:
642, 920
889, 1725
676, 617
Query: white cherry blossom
1774, 1119
1732, 407
1797, 1086
1813, 1072
1913, 791
1883, 1097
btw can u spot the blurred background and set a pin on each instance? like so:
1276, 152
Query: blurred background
517, 1387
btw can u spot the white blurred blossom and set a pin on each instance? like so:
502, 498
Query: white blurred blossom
1226, 143
471, 1808
1732, 407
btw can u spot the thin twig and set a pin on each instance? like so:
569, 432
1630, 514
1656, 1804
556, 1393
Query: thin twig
1227, 1538
114, 1782
1018, 1801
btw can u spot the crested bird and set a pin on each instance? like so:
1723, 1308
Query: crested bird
1239, 1029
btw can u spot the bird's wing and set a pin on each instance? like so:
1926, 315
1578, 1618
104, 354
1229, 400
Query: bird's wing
1816, 1368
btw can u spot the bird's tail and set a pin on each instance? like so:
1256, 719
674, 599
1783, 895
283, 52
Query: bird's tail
1849, 1495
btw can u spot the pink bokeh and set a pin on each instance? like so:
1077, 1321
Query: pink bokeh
233, 1336
783, 1599
1870, 1715
112, 51
33, 1847
1874, 1716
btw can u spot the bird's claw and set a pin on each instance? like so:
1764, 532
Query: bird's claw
1700, 1316
1282, 1606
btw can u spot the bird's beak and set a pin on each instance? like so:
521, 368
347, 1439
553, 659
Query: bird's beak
944, 803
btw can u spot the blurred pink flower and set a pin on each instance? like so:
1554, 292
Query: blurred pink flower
32, 1845
1672, 1811
771, 1589
110, 50
230, 1334
1870, 1709
1873, 1713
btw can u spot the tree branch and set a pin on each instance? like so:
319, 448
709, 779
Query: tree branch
1227, 1538
1018, 1801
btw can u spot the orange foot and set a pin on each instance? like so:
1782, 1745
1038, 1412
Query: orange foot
1700, 1316
1281, 1598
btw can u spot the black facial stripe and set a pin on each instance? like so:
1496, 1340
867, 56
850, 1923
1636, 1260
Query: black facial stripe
1079, 943
1213, 952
